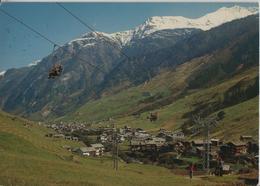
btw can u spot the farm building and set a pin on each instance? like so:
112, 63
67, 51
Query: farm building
245, 138
87, 151
216, 142
99, 148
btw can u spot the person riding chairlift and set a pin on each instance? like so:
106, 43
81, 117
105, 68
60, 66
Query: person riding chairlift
56, 68
55, 71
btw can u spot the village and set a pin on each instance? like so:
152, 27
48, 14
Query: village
164, 148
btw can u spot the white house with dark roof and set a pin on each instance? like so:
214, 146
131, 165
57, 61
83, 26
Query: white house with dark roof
87, 151
99, 148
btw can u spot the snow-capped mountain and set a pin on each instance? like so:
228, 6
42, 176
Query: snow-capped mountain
2, 73
205, 22
34, 63
164, 48
90, 39
158, 23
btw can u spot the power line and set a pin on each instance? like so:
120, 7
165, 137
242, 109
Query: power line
88, 26
29, 27
115, 147
54, 43
98, 34
45, 37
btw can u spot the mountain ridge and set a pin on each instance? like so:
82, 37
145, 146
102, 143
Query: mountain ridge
156, 23
28, 92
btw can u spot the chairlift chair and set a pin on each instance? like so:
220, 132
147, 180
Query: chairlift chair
56, 69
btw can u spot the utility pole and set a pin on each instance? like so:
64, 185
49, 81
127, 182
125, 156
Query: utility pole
208, 146
115, 147
204, 149
116, 150
205, 124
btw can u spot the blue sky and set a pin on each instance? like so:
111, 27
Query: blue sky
19, 46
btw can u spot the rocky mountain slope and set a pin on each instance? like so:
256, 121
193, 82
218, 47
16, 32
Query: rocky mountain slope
159, 44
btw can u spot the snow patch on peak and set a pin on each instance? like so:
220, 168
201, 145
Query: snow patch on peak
157, 23
123, 37
224, 15
34, 63
2, 73
90, 38
205, 22
120, 37
89, 44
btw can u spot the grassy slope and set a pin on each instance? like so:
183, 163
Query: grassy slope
244, 115
28, 158
127, 101
239, 119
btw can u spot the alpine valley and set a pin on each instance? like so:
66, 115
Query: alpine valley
176, 67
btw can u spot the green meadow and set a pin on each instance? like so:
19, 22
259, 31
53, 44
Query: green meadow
242, 117
29, 158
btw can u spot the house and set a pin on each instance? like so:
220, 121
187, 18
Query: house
199, 143
67, 147
128, 129
252, 147
162, 130
237, 148
121, 131
75, 138
168, 138
103, 138
226, 169
257, 159
216, 142
141, 135
87, 151
146, 144
225, 151
179, 147
186, 144
161, 135
178, 135
159, 141
200, 151
139, 130
99, 148
245, 138
214, 155
232, 149
121, 138
49, 135
128, 135
137, 144
155, 143
58, 136
68, 137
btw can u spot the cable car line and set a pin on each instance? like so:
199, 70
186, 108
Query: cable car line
87, 26
55, 44
45, 37
27, 26
129, 59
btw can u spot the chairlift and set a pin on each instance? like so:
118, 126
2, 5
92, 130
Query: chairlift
56, 69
